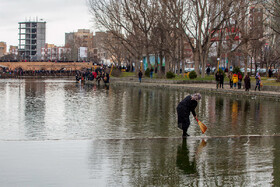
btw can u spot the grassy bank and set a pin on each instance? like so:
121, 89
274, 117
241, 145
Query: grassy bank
266, 80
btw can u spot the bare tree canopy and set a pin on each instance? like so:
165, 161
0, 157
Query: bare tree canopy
165, 28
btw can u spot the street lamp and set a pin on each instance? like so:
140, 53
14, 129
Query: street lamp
218, 59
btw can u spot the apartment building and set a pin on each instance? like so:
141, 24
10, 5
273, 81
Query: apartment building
53, 53
82, 39
3, 48
99, 52
13, 50
32, 38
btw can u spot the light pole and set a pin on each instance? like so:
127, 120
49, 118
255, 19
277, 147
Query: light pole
218, 59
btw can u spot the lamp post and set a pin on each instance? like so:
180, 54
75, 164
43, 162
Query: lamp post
218, 59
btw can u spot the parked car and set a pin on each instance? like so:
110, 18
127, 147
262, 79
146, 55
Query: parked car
243, 70
262, 70
189, 69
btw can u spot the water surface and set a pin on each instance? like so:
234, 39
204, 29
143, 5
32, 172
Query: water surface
61, 133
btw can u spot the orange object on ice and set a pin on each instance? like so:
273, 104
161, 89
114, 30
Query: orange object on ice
203, 127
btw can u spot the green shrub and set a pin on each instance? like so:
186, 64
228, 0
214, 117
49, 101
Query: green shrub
170, 75
147, 72
192, 75
236, 70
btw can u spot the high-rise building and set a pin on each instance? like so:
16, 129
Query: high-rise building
3, 48
32, 38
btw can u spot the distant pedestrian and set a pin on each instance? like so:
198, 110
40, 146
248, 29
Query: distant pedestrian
217, 77
221, 80
230, 79
208, 71
234, 80
151, 73
270, 72
240, 77
258, 82
140, 74
98, 77
106, 78
184, 108
247, 82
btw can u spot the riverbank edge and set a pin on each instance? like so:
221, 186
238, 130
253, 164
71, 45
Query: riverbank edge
189, 86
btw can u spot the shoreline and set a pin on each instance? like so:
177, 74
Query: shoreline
209, 87
196, 86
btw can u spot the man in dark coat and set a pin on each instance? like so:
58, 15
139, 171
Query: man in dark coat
247, 83
140, 74
217, 76
221, 80
184, 108
270, 72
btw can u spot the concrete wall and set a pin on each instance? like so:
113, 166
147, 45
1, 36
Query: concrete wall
41, 38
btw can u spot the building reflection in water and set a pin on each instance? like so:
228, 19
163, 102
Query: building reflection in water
35, 108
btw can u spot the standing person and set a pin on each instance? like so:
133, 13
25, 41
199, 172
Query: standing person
221, 80
217, 76
258, 82
230, 79
106, 78
98, 77
247, 82
94, 74
240, 77
151, 73
208, 71
234, 80
184, 108
270, 72
140, 74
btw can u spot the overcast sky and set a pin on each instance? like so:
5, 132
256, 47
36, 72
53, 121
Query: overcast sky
61, 16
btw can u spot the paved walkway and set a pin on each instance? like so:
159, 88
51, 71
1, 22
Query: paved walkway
196, 87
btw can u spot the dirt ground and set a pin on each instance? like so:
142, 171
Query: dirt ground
46, 65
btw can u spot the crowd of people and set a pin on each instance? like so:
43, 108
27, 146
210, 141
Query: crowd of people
20, 72
235, 80
97, 75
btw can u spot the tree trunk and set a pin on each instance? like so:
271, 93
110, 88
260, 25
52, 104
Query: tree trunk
229, 56
160, 63
245, 63
203, 66
156, 63
167, 62
196, 61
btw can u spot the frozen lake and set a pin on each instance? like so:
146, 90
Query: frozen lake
57, 132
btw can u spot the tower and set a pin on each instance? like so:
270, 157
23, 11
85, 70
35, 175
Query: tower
32, 38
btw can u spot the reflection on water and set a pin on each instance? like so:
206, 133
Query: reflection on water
45, 109
183, 161
174, 162
129, 136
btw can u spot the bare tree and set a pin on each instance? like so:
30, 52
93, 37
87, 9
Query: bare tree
200, 21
